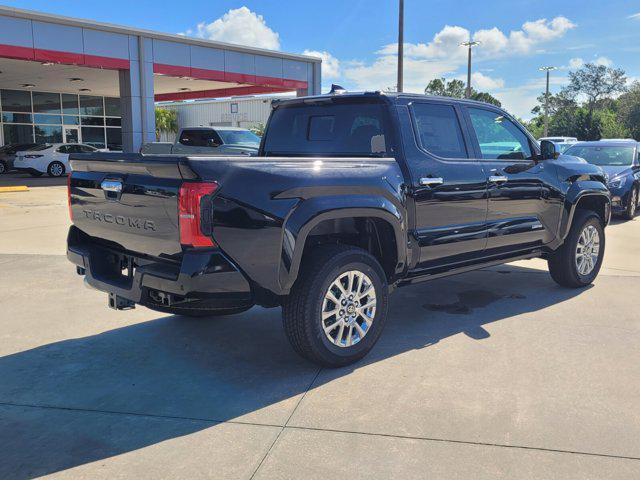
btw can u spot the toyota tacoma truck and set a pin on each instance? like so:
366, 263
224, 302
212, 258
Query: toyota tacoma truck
350, 196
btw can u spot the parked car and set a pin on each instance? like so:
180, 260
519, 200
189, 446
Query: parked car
620, 160
8, 155
52, 159
208, 141
350, 196
559, 139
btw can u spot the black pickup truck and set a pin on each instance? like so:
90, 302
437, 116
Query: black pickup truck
350, 196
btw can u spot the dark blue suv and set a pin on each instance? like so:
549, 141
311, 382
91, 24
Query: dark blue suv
620, 159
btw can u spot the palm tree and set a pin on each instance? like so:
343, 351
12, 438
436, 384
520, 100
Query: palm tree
166, 121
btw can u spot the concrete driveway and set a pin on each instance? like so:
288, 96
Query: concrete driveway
491, 374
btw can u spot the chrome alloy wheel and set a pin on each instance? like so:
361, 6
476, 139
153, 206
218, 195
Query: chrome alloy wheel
349, 308
588, 250
56, 169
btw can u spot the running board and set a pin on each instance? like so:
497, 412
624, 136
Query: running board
423, 277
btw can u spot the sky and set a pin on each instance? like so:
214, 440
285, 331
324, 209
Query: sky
358, 39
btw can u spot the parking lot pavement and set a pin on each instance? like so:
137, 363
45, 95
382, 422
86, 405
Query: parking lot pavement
491, 374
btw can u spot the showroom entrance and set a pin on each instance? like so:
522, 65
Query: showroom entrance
70, 80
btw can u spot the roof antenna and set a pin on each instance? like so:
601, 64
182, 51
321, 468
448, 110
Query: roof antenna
337, 90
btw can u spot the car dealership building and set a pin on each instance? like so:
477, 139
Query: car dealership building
71, 80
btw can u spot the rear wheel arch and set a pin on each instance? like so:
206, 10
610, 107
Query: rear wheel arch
377, 231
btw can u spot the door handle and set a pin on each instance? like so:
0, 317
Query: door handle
431, 181
498, 179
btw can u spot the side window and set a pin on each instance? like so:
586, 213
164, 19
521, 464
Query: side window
63, 149
199, 138
438, 130
186, 138
499, 137
85, 148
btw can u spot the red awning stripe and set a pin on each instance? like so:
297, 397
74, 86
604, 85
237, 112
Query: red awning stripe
67, 58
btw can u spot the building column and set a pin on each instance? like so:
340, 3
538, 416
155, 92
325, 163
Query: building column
137, 96
314, 74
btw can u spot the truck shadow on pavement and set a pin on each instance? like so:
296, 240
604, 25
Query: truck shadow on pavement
82, 400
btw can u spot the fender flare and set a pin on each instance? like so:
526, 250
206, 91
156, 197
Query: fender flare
313, 211
578, 191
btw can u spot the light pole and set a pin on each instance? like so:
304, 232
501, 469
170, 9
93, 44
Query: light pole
400, 44
546, 100
470, 44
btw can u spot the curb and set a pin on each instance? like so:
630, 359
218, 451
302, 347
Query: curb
17, 188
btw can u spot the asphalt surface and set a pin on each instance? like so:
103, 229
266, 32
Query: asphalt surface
492, 374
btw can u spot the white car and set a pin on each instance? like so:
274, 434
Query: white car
52, 159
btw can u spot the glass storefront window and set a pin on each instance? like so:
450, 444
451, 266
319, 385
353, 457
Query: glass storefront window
15, 100
17, 134
114, 138
48, 134
16, 117
92, 120
91, 105
93, 136
45, 102
112, 107
70, 104
47, 119
52, 114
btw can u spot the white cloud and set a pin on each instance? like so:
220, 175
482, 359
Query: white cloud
330, 64
443, 57
575, 63
635, 16
484, 82
494, 42
607, 62
240, 26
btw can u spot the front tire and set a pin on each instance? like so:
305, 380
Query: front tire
338, 306
577, 262
55, 169
630, 211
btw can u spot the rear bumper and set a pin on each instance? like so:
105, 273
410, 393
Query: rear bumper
201, 279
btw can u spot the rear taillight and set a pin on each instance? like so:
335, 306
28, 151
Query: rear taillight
190, 211
69, 196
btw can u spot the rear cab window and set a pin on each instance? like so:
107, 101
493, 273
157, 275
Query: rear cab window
336, 127
199, 138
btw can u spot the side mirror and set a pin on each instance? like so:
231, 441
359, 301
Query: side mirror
212, 143
548, 150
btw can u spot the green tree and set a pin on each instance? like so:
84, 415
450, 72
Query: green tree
629, 110
166, 121
258, 129
456, 88
596, 83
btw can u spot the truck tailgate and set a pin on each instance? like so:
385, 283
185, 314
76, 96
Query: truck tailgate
129, 200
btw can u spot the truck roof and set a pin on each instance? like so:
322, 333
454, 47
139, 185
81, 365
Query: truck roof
390, 96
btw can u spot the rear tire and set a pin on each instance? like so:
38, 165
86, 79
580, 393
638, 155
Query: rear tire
567, 264
3, 168
359, 310
55, 169
630, 211
196, 313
